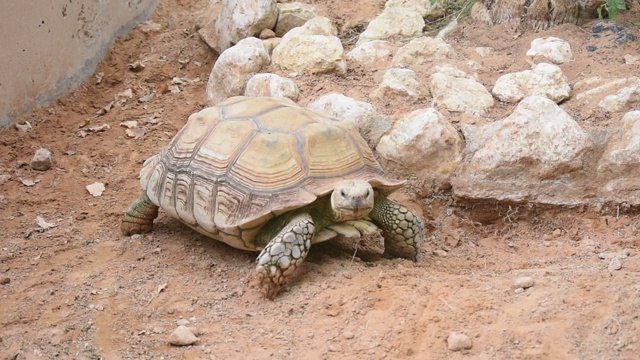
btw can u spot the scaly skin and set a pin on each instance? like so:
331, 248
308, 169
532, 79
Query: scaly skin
284, 254
403, 230
139, 217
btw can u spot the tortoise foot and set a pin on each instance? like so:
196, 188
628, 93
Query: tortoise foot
284, 254
139, 217
403, 230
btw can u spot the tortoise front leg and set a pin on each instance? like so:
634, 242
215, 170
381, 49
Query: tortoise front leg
402, 229
139, 217
284, 254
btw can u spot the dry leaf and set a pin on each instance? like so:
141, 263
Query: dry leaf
43, 224
96, 189
147, 97
24, 127
105, 109
29, 182
125, 95
136, 66
129, 124
98, 128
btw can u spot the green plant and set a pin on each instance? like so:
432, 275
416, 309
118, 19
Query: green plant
612, 7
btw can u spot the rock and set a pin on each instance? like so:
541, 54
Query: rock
4, 178
312, 48
484, 51
460, 94
534, 154
612, 95
5, 281
291, 15
371, 52
440, 253
182, 322
234, 66
618, 168
96, 189
237, 20
555, 50
524, 282
615, 264
182, 336
424, 7
42, 160
544, 80
344, 108
424, 143
422, 50
271, 85
458, 341
267, 34
518, 290
631, 59
402, 83
394, 22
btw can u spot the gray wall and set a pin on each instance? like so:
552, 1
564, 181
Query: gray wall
48, 48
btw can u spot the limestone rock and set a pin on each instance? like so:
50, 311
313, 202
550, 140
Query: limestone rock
458, 341
555, 50
424, 143
371, 52
271, 85
401, 83
460, 94
42, 160
237, 20
534, 154
612, 95
311, 48
524, 282
291, 15
344, 108
422, 50
394, 22
234, 66
544, 80
619, 165
182, 336
424, 7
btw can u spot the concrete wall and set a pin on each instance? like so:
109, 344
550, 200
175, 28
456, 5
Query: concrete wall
48, 48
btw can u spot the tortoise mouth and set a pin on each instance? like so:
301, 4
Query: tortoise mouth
352, 213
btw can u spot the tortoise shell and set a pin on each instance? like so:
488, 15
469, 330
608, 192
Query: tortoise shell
235, 166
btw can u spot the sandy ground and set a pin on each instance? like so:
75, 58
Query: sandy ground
81, 290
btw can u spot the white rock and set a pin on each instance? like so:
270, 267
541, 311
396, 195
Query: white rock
42, 160
555, 50
344, 108
424, 7
422, 50
544, 80
458, 341
615, 264
96, 189
234, 66
484, 51
459, 94
401, 83
182, 336
291, 15
619, 165
271, 85
524, 282
531, 155
394, 22
626, 98
238, 19
371, 52
312, 48
424, 143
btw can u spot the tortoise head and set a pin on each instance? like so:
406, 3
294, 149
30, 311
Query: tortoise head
351, 199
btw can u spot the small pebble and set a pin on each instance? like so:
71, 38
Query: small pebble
519, 290
615, 264
182, 336
267, 34
458, 341
524, 282
440, 253
42, 160
591, 48
348, 335
182, 322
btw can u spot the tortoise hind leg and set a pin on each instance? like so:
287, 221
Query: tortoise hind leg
403, 230
139, 217
284, 253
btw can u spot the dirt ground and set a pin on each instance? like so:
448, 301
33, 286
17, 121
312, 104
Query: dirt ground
80, 290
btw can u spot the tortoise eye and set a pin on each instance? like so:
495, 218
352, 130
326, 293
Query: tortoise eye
343, 194
366, 195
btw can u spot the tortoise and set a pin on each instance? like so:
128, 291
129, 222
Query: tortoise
265, 174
